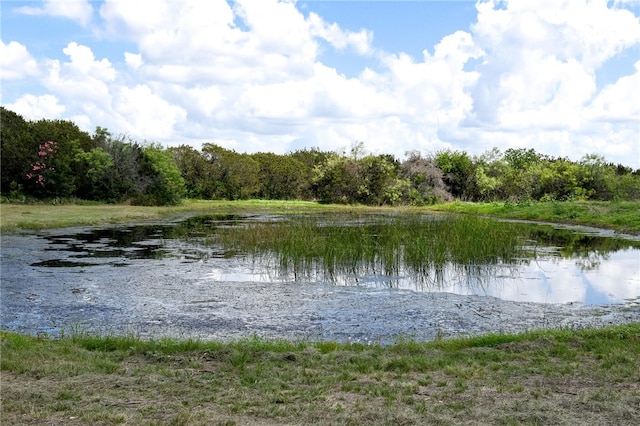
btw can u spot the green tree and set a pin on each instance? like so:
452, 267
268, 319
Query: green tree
377, 177
52, 173
488, 180
458, 172
559, 181
310, 159
92, 169
166, 185
521, 159
236, 174
336, 180
125, 179
69, 140
596, 177
521, 174
370, 179
197, 172
17, 147
280, 177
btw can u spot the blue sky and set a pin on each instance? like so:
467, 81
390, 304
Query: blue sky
268, 75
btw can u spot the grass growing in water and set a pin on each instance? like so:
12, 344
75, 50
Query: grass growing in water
399, 244
542, 377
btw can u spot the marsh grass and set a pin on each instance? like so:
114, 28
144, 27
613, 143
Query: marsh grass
393, 245
588, 376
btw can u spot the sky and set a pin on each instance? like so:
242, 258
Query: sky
559, 76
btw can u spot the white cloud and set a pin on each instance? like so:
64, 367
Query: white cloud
76, 10
145, 114
82, 80
249, 75
619, 277
588, 31
541, 58
133, 60
537, 77
616, 101
37, 107
198, 42
360, 41
16, 62
83, 62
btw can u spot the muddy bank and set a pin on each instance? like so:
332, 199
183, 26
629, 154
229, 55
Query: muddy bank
183, 297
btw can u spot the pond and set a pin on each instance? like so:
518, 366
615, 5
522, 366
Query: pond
373, 277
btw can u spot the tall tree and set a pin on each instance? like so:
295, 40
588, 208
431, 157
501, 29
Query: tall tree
458, 171
166, 185
237, 174
280, 177
17, 148
196, 170
124, 180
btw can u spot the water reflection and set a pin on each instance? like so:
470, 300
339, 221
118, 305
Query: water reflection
462, 255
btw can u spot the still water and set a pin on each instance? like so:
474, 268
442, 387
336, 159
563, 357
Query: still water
510, 261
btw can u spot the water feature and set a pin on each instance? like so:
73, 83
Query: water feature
228, 275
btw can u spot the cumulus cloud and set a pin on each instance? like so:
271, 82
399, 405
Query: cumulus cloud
83, 79
540, 59
37, 107
248, 74
200, 42
133, 60
16, 62
538, 75
147, 114
614, 102
360, 42
618, 278
76, 10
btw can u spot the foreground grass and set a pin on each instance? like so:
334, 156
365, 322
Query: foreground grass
621, 216
544, 377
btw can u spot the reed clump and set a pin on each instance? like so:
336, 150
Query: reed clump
420, 245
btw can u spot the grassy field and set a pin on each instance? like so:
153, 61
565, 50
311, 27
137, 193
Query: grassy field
620, 216
15, 217
583, 377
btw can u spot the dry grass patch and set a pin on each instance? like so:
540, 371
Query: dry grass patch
587, 377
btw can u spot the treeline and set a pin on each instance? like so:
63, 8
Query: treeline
54, 159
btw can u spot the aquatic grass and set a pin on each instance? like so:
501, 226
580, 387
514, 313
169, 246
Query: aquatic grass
391, 245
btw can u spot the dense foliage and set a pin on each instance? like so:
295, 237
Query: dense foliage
54, 159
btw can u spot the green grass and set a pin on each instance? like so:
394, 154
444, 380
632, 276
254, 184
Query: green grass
16, 217
393, 244
588, 376
623, 216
